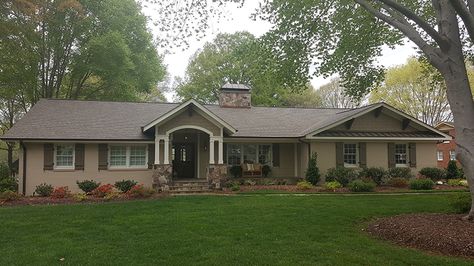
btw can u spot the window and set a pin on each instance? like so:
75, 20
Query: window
249, 153
401, 155
64, 156
452, 155
440, 155
122, 156
350, 154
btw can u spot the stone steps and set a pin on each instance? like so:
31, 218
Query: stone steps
189, 186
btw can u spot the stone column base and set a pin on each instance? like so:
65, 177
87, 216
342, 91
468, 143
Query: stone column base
162, 174
217, 175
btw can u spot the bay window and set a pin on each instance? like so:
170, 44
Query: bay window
131, 156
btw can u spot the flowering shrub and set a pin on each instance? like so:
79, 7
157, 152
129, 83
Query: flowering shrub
457, 182
139, 191
398, 182
101, 191
60, 192
112, 195
79, 197
125, 185
87, 185
332, 185
9, 195
44, 190
304, 185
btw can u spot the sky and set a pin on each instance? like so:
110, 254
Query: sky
237, 19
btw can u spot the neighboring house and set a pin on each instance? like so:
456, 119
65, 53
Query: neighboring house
446, 149
159, 143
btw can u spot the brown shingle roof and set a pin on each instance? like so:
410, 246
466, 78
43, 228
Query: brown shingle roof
378, 134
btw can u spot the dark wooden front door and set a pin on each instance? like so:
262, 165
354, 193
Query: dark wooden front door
184, 160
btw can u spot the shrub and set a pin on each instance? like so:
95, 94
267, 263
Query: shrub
87, 185
433, 173
266, 170
312, 173
361, 186
4, 171
376, 174
422, 184
398, 182
457, 182
79, 197
8, 184
125, 185
250, 182
453, 171
44, 190
139, 191
399, 172
9, 195
102, 190
236, 171
333, 185
304, 185
342, 175
235, 187
113, 195
460, 202
60, 192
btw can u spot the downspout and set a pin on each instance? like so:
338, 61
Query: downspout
24, 168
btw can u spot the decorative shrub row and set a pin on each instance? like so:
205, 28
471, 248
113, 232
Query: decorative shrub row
378, 175
361, 186
422, 184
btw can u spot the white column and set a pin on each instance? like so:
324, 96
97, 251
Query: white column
157, 150
167, 150
296, 159
211, 150
221, 151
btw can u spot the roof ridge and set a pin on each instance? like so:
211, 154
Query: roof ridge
100, 101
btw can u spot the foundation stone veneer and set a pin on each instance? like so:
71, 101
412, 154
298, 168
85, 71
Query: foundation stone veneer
162, 175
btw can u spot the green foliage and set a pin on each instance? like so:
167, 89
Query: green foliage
116, 195
433, 173
44, 190
342, 175
460, 202
312, 172
376, 174
238, 58
458, 182
235, 186
125, 185
361, 186
453, 171
88, 185
4, 171
332, 185
304, 185
79, 197
60, 193
9, 195
421, 184
140, 191
399, 172
266, 170
236, 171
398, 182
8, 183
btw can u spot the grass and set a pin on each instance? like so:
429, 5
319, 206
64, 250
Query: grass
214, 230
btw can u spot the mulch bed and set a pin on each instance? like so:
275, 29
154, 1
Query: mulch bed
445, 234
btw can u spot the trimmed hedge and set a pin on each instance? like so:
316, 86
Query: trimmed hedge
342, 175
399, 172
433, 173
422, 184
376, 174
361, 186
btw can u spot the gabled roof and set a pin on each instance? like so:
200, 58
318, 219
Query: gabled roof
199, 108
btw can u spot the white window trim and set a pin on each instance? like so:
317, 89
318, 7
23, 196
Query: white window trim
350, 165
407, 154
257, 152
450, 158
127, 157
438, 157
70, 167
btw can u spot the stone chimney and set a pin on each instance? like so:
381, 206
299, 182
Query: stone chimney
235, 96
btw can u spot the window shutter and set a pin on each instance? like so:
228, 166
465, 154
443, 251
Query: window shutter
151, 155
225, 152
48, 163
391, 155
276, 154
339, 154
363, 154
103, 156
79, 156
412, 154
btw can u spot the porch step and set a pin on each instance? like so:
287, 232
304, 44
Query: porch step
189, 186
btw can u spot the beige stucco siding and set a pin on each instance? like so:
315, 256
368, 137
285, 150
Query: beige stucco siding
192, 119
425, 155
377, 154
287, 161
382, 123
326, 154
36, 175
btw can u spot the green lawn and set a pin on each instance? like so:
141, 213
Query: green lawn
213, 230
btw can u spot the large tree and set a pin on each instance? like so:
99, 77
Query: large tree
347, 36
333, 95
236, 58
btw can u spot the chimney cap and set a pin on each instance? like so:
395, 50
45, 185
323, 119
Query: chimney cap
235, 87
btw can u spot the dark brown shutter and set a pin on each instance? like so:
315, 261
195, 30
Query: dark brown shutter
79, 157
276, 154
151, 155
48, 163
339, 154
391, 155
412, 147
103, 155
225, 152
362, 154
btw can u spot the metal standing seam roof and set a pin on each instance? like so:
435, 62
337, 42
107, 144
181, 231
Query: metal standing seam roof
98, 120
